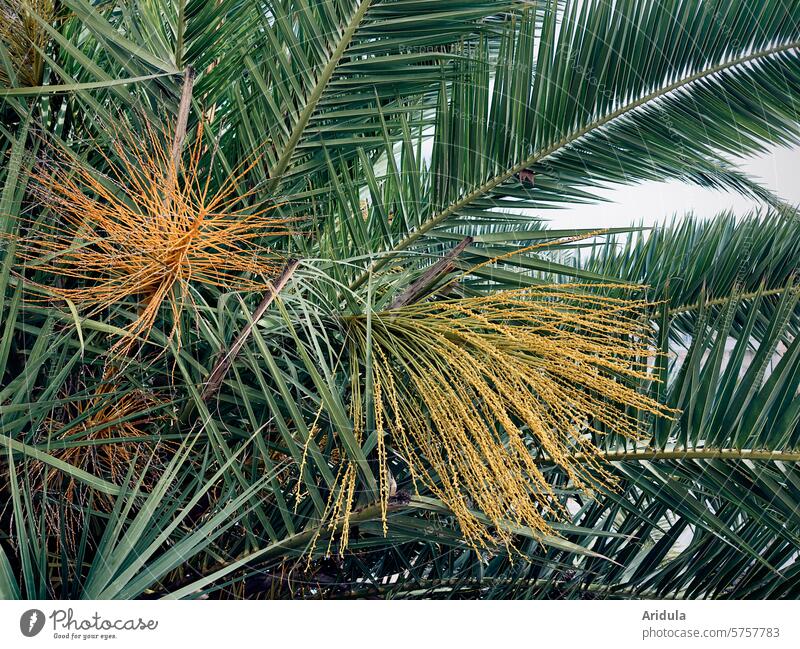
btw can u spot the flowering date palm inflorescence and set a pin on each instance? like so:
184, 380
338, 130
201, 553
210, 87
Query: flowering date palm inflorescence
468, 392
24, 39
104, 434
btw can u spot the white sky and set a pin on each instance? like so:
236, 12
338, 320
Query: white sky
653, 202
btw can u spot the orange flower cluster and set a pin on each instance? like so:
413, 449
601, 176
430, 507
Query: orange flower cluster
147, 230
106, 435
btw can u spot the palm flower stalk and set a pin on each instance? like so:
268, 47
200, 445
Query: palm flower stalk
468, 392
24, 38
148, 231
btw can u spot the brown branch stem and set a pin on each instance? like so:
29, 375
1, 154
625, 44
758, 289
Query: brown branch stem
443, 266
223, 365
183, 116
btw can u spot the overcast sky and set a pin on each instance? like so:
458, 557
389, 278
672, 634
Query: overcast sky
653, 202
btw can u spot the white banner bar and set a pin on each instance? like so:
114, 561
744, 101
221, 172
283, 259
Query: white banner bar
399, 624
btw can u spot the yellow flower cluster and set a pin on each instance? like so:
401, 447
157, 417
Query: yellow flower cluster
470, 392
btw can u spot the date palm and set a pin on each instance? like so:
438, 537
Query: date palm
414, 148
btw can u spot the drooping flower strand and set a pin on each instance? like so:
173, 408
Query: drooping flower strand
470, 391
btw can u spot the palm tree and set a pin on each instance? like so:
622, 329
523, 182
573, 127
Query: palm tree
281, 314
